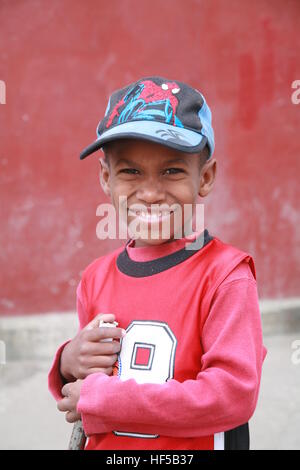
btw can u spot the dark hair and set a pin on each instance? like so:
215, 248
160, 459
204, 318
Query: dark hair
203, 157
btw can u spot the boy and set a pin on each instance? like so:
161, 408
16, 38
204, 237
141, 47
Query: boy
188, 344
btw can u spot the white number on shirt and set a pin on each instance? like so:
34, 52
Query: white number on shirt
147, 355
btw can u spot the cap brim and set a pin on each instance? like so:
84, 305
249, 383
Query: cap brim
178, 138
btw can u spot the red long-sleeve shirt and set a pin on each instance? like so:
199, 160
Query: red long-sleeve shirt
192, 357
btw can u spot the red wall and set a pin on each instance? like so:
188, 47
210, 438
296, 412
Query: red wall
61, 59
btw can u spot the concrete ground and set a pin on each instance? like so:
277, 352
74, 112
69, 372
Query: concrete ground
29, 418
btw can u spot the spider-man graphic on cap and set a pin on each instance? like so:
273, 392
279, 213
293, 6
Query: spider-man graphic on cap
146, 100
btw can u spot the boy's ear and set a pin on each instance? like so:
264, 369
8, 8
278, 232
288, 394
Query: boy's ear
104, 176
207, 178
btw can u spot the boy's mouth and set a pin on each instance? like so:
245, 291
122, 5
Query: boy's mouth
150, 216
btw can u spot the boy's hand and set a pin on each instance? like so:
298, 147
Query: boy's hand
68, 404
86, 354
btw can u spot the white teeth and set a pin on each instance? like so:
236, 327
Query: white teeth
151, 216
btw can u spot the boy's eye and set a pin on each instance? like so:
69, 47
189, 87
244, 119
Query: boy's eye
169, 171
130, 171
173, 171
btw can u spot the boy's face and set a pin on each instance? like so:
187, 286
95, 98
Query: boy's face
147, 173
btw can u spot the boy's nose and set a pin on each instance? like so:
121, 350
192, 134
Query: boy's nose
151, 191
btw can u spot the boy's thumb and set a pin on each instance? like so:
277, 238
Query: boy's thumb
107, 317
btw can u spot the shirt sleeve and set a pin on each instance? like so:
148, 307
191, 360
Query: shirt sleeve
55, 379
223, 395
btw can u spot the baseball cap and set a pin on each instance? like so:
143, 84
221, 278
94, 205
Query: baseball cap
165, 111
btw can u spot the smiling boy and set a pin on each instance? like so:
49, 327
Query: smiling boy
190, 357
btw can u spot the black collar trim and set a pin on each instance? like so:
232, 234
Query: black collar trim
149, 268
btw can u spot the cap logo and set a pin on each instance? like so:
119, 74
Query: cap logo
147, 101
170, 135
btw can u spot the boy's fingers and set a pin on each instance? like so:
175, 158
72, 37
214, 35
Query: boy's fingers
107, 317
63, 405
101, 362
102, 349
108, 332
97, 334
65, 390
107, 370
72, 416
